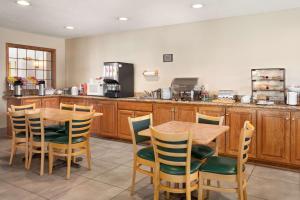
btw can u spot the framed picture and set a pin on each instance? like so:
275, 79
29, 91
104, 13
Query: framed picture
168, 57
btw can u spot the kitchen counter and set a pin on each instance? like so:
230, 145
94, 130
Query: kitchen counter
138, 99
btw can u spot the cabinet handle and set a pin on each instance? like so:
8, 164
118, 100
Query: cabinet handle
227, 114
287, 118
293, 119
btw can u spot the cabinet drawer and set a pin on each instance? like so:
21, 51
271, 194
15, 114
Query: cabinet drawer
140, 106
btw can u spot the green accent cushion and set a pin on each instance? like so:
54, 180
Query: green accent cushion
179, 170
220, 165
202, 151
207, 121
146, 153
65, 140
21, 135
55, 128
49, 136
140, 126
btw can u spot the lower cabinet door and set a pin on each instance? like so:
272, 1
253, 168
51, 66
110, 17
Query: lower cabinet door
185, 113
235, 119
215, 111
108, 122
273, 136
295, 140
163, 113
96, 125
36, 101
123, 125
50, 102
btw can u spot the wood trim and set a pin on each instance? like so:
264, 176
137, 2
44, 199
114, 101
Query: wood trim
53, 59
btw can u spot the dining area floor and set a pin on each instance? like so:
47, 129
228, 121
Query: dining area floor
110, 178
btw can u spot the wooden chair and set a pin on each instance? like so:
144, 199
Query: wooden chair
60, 127
228, 169
39, 139
79, 108
20, 137
24, 107
173, 163
202, 152
63, 106
144, 156
74, 144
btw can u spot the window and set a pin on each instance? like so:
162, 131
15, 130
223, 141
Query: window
28, 61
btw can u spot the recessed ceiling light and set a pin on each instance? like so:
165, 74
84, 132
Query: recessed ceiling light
122, 18
70, 27
23, 3
197, 5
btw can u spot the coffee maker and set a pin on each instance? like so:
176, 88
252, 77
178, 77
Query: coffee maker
119, 79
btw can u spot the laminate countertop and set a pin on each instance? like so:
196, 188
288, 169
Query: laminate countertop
138, 99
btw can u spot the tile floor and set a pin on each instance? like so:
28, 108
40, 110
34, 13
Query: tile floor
111, 175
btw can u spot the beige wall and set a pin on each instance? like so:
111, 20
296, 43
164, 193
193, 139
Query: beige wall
18, 37
219, 52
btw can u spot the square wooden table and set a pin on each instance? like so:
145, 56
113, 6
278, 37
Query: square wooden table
202, 133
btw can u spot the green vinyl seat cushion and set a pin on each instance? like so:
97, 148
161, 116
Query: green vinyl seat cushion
56, 127
49, 136
65, 140
146, 153
202, 151
220, 165
21, 135
179, 170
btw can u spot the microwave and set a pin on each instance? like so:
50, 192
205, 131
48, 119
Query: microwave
95, 89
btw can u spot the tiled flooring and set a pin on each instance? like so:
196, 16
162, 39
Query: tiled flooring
110, 178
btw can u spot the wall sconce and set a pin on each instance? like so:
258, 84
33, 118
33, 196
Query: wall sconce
150, 73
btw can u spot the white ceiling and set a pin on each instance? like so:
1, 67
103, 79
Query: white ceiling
92, 17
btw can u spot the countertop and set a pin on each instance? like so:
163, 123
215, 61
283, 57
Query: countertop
137, 99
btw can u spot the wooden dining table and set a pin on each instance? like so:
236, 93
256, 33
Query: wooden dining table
202, 133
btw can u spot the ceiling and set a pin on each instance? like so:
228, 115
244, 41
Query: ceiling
90, 17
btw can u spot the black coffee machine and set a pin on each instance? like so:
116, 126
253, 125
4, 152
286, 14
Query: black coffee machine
119, 79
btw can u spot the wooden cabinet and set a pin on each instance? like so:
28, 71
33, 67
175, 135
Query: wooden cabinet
167, 112
273, 135
36, 101
235, 118
162, 113
108, 122
96, 125
51, 102
130, 109
216, 111
295, 138
74, 100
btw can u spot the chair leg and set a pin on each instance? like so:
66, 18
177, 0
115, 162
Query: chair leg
200, 188
168, 193
240, 190
156, 186
133, 176
26, 155
151, 178
245, 193
30, 157
42, 160
50, 155
88, 156
207, 191
13, 152
69, 159
188, 190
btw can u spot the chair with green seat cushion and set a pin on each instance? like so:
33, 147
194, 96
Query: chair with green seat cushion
173, 163
20, 136
228, 169
202, 152
144, 156
75, 143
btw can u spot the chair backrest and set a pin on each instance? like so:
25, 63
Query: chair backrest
24, 107
80, 126
244, 145
79, 108
35, 123
138, 124
63, 106
172, 149
206, 119
18, 122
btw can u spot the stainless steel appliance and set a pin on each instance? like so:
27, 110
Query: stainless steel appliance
183, 88
41, 85
119, 79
